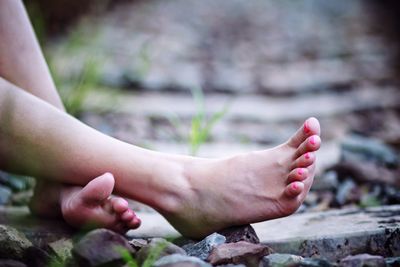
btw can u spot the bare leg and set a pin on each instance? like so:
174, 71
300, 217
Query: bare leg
22, 63
197, 196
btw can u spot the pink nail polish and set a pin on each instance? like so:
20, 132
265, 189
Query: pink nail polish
307, 155
300, 172
306, 128
294, 186
312, 140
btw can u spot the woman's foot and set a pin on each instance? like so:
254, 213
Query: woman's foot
86, 207
247, 188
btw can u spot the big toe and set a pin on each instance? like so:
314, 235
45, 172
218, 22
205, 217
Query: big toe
98, 190
310, 127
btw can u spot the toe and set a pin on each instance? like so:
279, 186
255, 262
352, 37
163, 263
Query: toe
298, 174
312, 143
98, 190
310, 127
294, 189
134, 223
127, 215
119, 205
304, 160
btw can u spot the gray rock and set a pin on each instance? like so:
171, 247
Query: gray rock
203, 248
392, 262
61, 248
156, 249
238, 253
363, 260
278, 260
5, 195
311, 262
328, 181
138, 243
240, 233
11, 263
13, 244
357, 147
180, 260
345, 192
100, 247
15, 182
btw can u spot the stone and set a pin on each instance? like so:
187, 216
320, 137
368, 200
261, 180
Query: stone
313, 262
278, 260
368, 149
347, 193
11, 263
37, 257
392, 262
61, 248
5, 195
238, 253
15, 182
363, 260
240, 233
138, 243
203, 248
156, 249
100, 247
13, 244
180, 260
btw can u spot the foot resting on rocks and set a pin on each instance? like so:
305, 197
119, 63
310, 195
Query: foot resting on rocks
85, 207
247, 188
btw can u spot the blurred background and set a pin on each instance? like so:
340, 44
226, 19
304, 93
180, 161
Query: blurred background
213, 78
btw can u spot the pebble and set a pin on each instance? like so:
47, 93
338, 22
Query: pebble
203, 248
13, 244
5, 195
238, 253
363, 260
165, 248
278, 260
180, 260
100, 247
240, 233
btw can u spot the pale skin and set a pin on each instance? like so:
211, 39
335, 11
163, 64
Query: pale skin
197, 196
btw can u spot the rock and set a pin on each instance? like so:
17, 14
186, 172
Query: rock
138, 243
61, 248
328, 181
15, 182
360, 148
5, 195
21, 198
100, 247
363, 260
180, 260
240, 233
203, 248
278, 260
156, 249
392, 262
11, 263
240, 252
347, 193
13, 244
311, 262
36, 257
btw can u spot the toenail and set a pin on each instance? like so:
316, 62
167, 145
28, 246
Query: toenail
294, 186
300, 171
306, 128
312, 140
307, 155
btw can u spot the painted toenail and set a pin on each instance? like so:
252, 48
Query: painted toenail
307, 155
300, 172
312, 140
306, 128
294, 186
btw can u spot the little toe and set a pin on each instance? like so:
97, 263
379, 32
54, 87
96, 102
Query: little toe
134, 223
310, 127
312, 143
127, 216
119, 205
304, 160
298, 174
294, 189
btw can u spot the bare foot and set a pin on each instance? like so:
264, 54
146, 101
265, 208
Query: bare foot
88, 207
248, 188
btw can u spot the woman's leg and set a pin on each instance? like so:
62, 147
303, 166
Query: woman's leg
196, 195
23, 64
